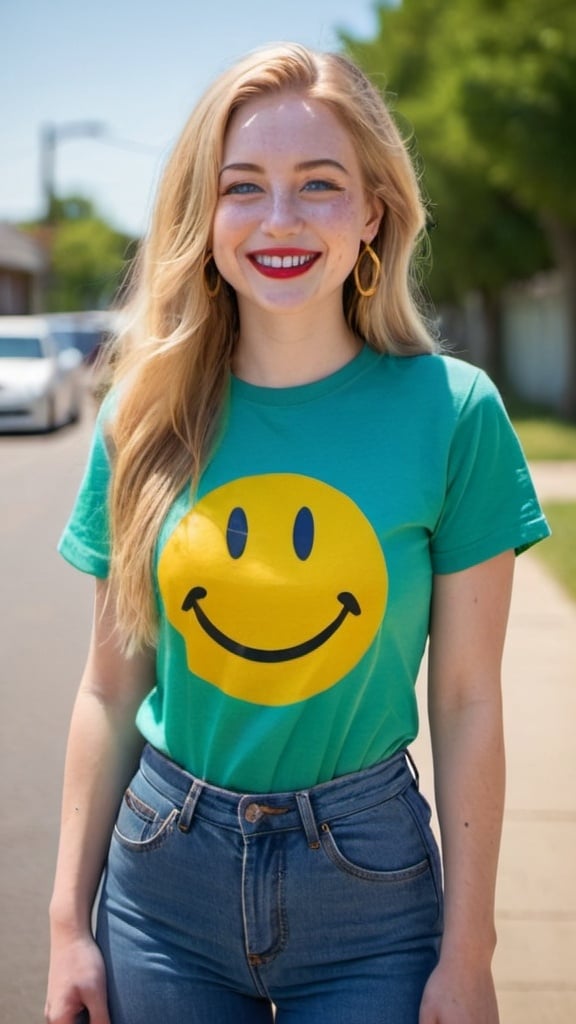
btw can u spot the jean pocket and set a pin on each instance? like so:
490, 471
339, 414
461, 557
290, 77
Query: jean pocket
379, 843
144, 824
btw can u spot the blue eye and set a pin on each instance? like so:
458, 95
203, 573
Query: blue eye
320, 185
303, 533
243, 188
237, 532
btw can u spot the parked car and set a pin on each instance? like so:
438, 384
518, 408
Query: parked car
86, 331
41, 380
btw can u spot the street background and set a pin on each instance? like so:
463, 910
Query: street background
45, 610
485, 93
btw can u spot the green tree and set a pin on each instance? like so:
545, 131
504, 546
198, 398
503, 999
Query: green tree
516, 94
88, 260
88, 257
488, 86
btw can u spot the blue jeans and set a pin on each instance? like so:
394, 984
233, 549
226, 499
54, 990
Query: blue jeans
325, 903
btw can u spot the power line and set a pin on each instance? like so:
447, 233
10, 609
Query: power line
131, 144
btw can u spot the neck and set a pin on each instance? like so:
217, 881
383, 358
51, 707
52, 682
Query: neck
287, 351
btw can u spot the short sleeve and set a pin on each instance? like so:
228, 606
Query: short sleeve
490, 503
85, 542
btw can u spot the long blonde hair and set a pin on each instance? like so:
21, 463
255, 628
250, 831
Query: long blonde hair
171, 366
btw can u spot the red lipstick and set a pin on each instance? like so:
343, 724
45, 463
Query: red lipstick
283, 262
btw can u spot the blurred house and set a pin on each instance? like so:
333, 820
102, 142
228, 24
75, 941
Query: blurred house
535, 337
23, 266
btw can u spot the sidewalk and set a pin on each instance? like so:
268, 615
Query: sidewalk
535, 964
555, 481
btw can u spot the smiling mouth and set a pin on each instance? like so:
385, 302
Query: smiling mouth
283, 264
349, 604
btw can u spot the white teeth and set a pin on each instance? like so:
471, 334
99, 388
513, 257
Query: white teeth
285, 262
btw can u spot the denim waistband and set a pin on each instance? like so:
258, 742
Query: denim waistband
254, 813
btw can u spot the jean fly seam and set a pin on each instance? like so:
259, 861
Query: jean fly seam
264, 956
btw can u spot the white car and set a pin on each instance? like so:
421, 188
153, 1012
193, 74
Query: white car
41, 381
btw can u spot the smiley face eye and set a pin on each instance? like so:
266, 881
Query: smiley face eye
303, 533
237, 532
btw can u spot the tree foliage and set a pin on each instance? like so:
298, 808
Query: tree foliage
484, 236
88, 257
516, 93
488, 88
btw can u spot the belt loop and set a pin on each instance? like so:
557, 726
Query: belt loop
412, 764
308, 820
189, 806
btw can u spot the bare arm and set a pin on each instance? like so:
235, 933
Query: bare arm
102, 753
468, 626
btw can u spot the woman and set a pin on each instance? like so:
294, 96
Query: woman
289, 490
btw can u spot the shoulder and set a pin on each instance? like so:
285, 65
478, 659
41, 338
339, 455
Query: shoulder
104, 426
441, 369
442, 382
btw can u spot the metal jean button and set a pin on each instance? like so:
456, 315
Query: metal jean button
252, 812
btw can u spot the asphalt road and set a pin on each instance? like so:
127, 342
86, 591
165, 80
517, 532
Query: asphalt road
45, 613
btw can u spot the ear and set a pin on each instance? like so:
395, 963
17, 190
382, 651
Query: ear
374, 214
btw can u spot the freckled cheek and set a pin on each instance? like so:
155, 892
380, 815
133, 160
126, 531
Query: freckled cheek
230, 223
339, 216
342, 219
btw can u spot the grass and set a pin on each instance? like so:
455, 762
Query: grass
545, 437
543, 433
558, 552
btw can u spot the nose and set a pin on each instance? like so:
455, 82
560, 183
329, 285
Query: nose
283, 216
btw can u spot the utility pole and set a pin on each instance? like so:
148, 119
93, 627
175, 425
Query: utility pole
50, 136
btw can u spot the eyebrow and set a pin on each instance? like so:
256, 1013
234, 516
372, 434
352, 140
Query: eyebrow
305, 165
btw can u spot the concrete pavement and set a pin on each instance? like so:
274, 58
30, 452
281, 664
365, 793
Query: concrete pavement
535, 964
555, 481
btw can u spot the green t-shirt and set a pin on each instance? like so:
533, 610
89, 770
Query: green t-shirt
294, 593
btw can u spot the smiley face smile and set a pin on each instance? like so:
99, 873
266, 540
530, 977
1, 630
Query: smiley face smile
349, 604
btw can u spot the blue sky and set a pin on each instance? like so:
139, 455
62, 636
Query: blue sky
137, 67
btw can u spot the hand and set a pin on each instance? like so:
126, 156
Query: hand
458, 994
76, 981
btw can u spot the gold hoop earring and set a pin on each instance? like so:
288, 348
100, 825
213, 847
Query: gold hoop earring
375, 272
212, 290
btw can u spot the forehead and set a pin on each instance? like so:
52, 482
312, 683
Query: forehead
285, 123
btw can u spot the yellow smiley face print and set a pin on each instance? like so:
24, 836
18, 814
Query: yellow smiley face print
277, 584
